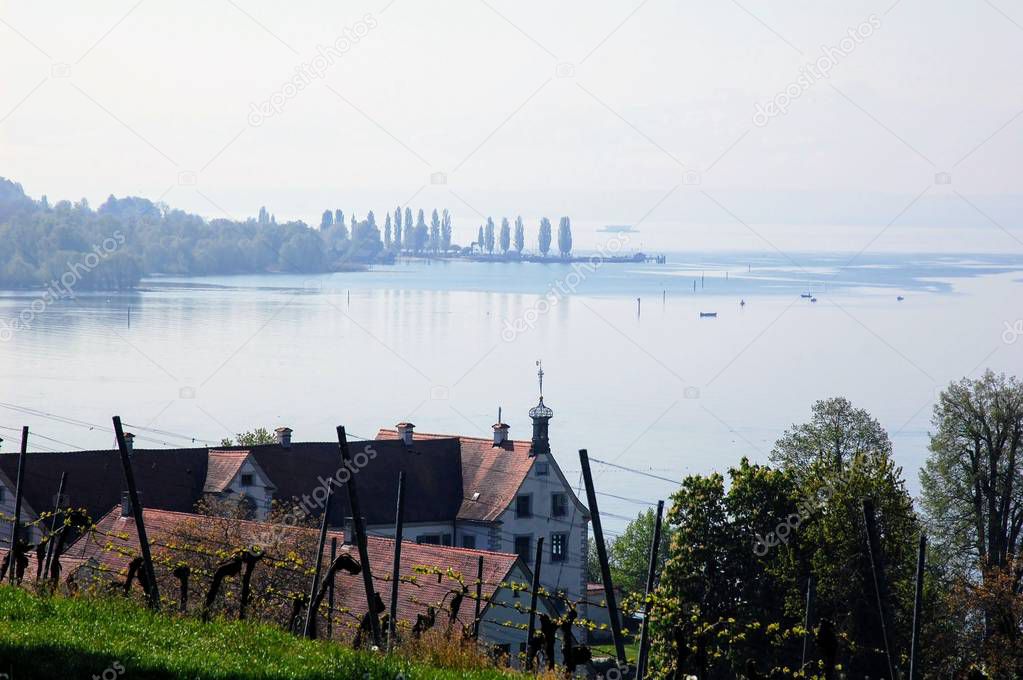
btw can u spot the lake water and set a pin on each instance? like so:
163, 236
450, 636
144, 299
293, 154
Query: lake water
647, 385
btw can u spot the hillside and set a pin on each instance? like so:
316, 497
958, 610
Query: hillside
55, 637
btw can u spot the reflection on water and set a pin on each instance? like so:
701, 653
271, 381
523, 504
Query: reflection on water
648, 384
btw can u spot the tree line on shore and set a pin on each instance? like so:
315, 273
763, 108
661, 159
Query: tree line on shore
43, 241
741, 549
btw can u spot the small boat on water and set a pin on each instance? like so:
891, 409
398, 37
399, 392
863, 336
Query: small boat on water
708, 315
813, 299
806, 295
900, 299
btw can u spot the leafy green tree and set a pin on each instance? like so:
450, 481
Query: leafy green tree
505, 235
480, 238
264, 216
836, 432
520, 234
339, 217
629, 554
544, 238
488, 235
972, 486
327, 220
387, 232
565, 237
260, 435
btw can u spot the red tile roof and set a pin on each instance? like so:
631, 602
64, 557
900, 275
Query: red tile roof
413, 598
495, 472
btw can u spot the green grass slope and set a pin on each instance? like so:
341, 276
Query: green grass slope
50, 638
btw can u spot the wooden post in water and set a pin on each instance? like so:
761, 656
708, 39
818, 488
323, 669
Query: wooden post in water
605, 569
914, 648
136, 511
310, 615
53, 523
330, 591
479, 596
655, 548
880, 585
19, 491
360, 534
811, 601
399, 525
531, 630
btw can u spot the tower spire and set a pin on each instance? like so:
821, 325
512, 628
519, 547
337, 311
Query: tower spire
541, 415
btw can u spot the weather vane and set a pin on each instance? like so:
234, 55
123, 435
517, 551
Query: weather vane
539, 374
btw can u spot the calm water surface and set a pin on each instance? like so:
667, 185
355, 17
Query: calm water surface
649, 384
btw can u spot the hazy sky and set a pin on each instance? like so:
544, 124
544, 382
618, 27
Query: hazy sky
593, 109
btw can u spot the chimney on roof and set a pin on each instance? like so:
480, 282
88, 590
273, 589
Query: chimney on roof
283, 437
129, 440
126, 510
405, 432
349, 531
500, 430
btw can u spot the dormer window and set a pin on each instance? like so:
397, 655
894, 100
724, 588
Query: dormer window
524, 506
246, 479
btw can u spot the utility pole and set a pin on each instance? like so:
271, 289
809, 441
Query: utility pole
531, 631
19, 490
310, 615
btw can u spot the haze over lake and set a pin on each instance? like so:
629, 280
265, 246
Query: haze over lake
650, 386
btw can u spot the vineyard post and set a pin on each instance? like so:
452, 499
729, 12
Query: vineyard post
880, 585
914, 649
19, 490
605, 569
537, 563
360, 536
479, 596
136, 511
53, 523
310, 615
808, 617
399, 525
330, 591
655, 548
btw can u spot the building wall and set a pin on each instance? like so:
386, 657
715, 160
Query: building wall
260, 491
412, 531
568, 576
501, 620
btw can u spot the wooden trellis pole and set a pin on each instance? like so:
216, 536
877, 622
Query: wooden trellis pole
360, 535
399, 525
53, 523
811, 601
330, 591
918, 601
153, 592
880, 584
19, 490
479, 596
310, 615
605, 569
655, 548
537, 563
